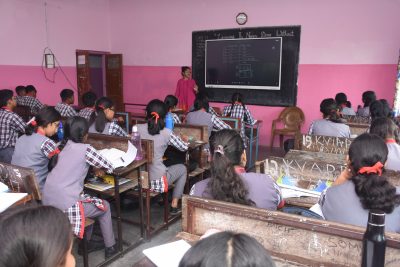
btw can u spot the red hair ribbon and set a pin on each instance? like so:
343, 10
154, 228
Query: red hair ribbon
377, 168
155, 115
53, 153
32, 122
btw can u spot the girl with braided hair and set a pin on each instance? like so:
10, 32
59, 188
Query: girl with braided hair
363, 187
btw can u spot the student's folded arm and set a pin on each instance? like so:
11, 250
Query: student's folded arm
177, 142
250, 119
94, 159
49, 148
218, 123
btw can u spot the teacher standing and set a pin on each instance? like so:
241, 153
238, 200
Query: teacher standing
186, 89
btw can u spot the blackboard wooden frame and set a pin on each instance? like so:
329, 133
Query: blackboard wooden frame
285, 97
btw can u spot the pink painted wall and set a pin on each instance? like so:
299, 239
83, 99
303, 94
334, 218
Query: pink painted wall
345, 45
72, 24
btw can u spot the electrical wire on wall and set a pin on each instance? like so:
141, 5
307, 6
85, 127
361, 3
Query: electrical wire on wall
49, 58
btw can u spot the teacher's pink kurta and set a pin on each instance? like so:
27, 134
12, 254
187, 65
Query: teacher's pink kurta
185, 93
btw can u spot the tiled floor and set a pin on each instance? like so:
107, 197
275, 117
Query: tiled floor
131, 233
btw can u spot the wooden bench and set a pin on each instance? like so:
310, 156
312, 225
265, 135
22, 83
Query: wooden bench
292, 240
319, 143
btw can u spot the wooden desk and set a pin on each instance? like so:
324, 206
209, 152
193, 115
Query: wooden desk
319, 143
132, 171
357, 128
291, 238
357, 119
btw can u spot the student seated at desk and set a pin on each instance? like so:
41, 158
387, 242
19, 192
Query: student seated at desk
37, 236
20, 91
200, 116
227, 249
331, 124
367, 98
67, 99
30, 100
229, 182
89, 102
11, 125
239, 110
162, 137
64, 184
363, 187
341, 101
170, 102
388, 130
104, 122
35, 148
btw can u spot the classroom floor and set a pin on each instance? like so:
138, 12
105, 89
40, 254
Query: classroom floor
131, 233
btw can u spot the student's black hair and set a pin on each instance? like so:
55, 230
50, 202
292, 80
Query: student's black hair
66, 93
368, 97
226, 184
379, 109
75, 129
386, 107
374, 191
348, 104
89, 99
385, 128
340, 98
170, 101
19, 89
30, 88
100, 120
201, 101
227, 249
329, 109
44, 117
34, 235
153, 109
5, 95
184, 68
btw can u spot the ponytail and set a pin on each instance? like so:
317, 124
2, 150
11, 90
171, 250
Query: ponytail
367, 154
100, 121
155, 115
226, 185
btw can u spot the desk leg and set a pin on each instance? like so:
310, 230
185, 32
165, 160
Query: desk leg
148, 214
118, 206
251, 147
257, 138
141, 203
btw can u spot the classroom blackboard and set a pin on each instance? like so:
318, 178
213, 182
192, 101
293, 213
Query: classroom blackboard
285, 96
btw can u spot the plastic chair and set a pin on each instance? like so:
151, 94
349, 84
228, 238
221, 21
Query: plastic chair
292, 119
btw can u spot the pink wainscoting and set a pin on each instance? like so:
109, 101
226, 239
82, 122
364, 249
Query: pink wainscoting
48, 92
143, 83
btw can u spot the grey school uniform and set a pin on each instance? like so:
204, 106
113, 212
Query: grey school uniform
341, 204
363, 112
329, 128
28, 154
176, 173
393, 160
92, 128
263, 191
200, 117
64, 186
348, 111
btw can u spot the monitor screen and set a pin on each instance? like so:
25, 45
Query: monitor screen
251, 63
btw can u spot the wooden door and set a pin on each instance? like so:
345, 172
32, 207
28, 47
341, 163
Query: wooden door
83, 73
114, 87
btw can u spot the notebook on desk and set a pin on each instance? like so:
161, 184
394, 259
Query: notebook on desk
167, 255
292, 187
119, 158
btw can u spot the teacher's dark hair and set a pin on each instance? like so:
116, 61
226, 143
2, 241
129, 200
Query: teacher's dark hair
227, 249
374, 191
34, 236
368, 97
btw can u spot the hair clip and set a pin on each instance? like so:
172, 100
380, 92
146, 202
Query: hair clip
32, 122
155, 115
377, 168
220, 150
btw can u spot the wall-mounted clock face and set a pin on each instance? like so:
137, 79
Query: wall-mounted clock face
241, 18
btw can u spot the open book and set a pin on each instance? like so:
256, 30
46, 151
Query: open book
98, 184
292, 187
167, 255
119, 158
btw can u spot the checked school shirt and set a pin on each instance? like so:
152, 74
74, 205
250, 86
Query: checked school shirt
31, 102
65, 110
10, 126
